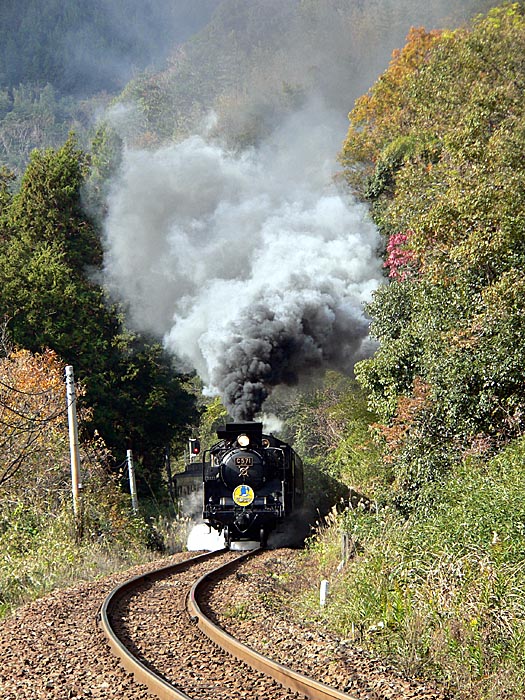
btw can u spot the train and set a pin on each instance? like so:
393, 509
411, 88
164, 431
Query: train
251, 484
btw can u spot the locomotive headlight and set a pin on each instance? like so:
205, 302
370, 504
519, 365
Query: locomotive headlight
243, 440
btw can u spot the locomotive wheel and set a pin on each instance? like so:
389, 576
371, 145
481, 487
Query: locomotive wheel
227, 537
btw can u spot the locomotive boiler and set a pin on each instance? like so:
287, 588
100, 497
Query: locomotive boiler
251, 483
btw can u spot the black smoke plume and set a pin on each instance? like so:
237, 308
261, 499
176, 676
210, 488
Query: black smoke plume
265, 350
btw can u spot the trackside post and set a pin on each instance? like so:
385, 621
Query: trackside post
132, 482
74, 449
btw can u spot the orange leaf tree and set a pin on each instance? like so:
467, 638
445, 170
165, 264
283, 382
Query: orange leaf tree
33, 440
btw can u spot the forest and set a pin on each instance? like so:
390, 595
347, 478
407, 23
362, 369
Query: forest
421, 447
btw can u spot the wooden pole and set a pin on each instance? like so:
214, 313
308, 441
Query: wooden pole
74, 447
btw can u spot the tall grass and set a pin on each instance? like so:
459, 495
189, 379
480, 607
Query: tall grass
441, 593
40, 549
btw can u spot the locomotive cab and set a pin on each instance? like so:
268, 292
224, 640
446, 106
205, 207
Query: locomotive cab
251, 482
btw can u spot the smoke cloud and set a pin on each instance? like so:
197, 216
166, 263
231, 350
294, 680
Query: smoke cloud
251, 266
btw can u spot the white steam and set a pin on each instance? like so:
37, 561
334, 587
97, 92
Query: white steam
252, 267
203, 538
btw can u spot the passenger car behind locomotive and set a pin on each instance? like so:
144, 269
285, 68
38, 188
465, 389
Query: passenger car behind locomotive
252, 482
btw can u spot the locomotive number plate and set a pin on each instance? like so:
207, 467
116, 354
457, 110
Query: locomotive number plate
244, 461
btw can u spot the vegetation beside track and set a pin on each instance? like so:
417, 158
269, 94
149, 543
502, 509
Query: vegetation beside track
426, 450
436, 576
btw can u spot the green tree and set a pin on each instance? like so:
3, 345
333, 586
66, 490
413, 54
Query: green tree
329, 427
49, 255
45, 258
146, 406
442, 134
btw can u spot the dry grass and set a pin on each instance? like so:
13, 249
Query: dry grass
441, 594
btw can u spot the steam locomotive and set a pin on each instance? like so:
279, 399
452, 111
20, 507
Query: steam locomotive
252, 482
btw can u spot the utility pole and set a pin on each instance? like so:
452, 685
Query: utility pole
167, 462
132, 483
74, 449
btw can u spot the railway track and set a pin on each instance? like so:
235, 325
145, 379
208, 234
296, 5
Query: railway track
156, 625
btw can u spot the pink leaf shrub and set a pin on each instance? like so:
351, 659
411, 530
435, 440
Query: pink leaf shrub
400, 259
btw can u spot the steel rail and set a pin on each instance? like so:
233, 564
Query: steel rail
155, 683
160, 686
312, 689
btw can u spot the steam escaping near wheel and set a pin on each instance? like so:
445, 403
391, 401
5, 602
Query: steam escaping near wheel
252, 267
202, 538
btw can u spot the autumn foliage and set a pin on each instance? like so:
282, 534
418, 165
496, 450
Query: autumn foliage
400, 259
32, 414
409, 409
383, 112
437, 147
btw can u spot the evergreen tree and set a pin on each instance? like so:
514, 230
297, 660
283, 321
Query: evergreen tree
49, 254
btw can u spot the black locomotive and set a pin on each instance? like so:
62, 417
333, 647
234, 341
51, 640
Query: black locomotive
251, 483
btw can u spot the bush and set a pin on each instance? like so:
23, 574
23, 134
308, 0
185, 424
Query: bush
40, 552
41, 545
442, 591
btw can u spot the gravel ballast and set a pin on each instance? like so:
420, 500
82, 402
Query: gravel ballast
52, 648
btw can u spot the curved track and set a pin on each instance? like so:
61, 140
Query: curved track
189, 667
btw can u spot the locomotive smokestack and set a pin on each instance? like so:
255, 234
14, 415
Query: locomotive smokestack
252, 267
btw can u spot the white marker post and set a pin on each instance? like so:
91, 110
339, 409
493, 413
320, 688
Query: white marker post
132, 482
74, 448
323, 593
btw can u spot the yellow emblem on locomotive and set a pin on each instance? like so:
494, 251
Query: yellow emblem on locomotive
243, 495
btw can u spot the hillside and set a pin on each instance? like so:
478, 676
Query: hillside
250, 261
91, 47
442, 168
250, 62
256, 62
60, 67
435, 147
